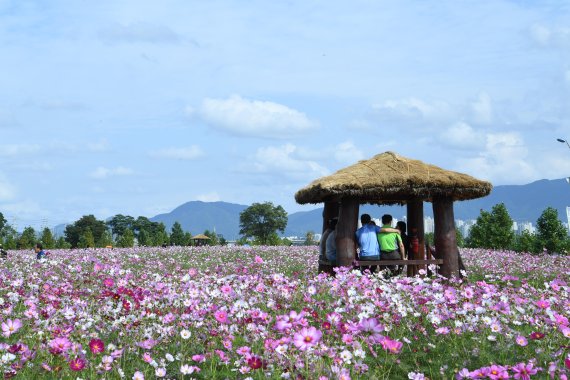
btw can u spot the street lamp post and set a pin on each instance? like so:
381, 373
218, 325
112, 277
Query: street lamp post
563, 141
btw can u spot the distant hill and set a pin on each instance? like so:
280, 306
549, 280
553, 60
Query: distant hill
524, 203
198, 216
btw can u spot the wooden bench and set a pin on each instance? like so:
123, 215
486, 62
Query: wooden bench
326, 265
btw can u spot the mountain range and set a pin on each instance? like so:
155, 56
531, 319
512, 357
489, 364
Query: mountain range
525, 203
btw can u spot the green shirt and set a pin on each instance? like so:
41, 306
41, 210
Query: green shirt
389, 241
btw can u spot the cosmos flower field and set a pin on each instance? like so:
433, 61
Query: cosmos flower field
265, 313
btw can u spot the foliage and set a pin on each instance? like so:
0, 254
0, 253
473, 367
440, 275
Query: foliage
310, 238
127, 239
551, 233
213, 237
27, 239
76, 233
62, 243
526, 242
151, 234
460, 239
492, 230
47, 238
177, 236
106, 239
10, 237
3, 223
120, 223
262, 221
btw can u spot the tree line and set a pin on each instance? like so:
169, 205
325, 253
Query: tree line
259, 225
494, 230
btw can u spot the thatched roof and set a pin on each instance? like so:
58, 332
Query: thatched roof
389, 178
201, 237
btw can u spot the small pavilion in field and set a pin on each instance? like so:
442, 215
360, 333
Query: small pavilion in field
389, 179
200, 239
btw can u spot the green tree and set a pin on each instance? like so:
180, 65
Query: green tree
3, 223
177, 235
119, 223
105, 240
262, 220
127, 239
526, 242
551, 233
492, 230
213, 237
187, 238
10, 237
74, 232
47, 239
459, 238
27, 239
86, 240
310, 238
62, 243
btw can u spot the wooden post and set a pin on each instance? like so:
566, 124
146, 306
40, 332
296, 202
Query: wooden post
415, 218
444, 236
345, 231
330, 211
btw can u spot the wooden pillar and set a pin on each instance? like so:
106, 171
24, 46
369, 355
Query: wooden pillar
415, 218
345, 231
444, 236
330, 211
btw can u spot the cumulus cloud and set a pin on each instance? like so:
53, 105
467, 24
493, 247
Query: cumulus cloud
550, 36
209, 197
256, 118
7, 190
102, 172
503, 160
347, 153
414, 109
187, 153
461, 135
11, 150
285, 161
482, 109
139, 32
100, 146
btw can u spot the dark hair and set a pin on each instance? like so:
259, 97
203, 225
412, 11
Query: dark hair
386, 218
401, 226
365, 219
39, 246
332, 223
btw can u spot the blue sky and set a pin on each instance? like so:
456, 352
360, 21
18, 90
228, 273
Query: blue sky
136, 107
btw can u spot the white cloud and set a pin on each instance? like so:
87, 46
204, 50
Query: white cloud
550, 36
461, 135
188, 153
100, 146
285, 161
482, 109
11, 150
503, 161
139, 32
414, 109
540, 34
7, 190
209, 197
102, 173
253, 117
347, 153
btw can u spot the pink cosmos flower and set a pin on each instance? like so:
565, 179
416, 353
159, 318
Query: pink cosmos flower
497, 372
199, 358
108, 282
524, 371
96, 346
10, 327
59, 345
221, 316
147, 344
258, 260
138, 375
521, 341
307, 338
567, 363
392, 346
77, 364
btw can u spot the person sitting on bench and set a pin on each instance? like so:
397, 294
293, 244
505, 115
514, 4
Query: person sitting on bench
367, 241
391, 246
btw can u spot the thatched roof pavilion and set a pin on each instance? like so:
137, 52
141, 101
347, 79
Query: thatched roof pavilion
387, 179
200, 239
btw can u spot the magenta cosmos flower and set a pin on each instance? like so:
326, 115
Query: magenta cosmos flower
307, 338
77, 364
96, 346
221, 316
10, 327
524, 371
